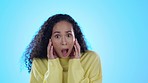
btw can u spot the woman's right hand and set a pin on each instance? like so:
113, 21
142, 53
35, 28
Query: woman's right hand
50, 51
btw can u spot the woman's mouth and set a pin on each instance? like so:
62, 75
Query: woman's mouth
64, 52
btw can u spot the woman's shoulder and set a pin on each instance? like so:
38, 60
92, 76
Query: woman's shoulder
90, 54
39, 61
40, 64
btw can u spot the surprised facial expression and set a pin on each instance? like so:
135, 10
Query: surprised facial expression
63, 39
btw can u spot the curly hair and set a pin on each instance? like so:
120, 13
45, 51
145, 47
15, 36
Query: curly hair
38, 46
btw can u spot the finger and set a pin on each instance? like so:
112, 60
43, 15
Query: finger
49, 45
50, 50
76, 55
72, 53
77, 46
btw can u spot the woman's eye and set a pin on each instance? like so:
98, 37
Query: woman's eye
69, 35
57, 36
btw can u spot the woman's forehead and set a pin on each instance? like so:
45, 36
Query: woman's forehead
63, 26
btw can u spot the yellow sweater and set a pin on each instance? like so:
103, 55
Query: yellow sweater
87, 69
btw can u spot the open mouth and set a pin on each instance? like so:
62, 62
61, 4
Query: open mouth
64, 52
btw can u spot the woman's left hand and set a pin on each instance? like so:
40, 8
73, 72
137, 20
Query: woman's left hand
76, 51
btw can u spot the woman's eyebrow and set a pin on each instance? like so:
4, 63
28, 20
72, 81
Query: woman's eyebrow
68, 31
56, 32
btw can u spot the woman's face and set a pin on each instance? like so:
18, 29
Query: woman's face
63, 39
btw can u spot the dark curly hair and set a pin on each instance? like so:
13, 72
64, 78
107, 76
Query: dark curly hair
38, 46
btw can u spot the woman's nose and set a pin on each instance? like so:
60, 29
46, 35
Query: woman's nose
63, 41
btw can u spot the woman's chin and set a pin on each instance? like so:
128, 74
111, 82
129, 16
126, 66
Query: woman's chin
64, 56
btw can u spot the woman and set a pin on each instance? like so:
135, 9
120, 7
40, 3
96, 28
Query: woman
58, 54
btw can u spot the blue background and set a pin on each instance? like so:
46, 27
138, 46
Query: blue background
116, 29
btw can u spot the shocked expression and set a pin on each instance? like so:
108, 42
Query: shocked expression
63, 39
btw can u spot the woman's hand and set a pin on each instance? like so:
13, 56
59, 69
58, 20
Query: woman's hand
50, 51
75, 54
